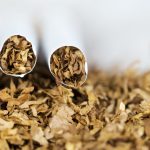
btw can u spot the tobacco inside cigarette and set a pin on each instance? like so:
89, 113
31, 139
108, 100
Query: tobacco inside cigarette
17, 56
68, 66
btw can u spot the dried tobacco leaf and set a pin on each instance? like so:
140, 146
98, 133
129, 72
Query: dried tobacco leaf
5, 124
62, 120
38, 135
17, 56
68, 66
4, 145
110, 111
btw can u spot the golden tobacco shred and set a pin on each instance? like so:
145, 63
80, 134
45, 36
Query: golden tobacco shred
111, 111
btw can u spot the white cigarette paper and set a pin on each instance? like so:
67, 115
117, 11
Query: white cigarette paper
12, 24
61, 32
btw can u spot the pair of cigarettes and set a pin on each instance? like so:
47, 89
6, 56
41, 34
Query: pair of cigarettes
67, 64
62, 47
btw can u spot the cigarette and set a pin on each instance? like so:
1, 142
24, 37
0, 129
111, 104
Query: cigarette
17, 56
63, 49
67, 65
18, 44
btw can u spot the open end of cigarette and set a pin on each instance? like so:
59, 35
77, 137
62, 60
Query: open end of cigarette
68, 66
17, 56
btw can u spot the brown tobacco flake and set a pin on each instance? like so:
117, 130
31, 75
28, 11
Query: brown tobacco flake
5, 124
38, 135
62, 120
17, 56
68, 66
4, 145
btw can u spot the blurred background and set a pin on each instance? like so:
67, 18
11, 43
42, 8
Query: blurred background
114, 33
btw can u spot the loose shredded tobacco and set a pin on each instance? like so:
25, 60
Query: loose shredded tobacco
68, 66
17, 56
111, 111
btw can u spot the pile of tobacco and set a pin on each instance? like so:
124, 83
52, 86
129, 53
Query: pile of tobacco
110, 111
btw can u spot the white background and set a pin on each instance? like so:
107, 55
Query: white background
114, 32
